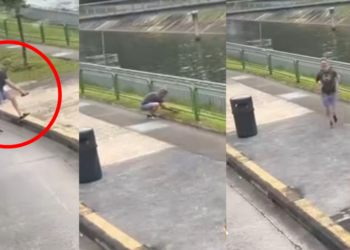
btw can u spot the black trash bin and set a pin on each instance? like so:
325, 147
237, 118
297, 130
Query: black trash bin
89, 163
243, 114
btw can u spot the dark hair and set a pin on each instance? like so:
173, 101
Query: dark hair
163, 92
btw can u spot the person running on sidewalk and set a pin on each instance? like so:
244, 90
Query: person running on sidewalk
5, 95
328, 79
153, 101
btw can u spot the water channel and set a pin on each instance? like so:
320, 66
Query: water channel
172, 54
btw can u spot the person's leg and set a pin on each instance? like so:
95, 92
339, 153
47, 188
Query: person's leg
327, 105
151, 108
333, 100
14, 102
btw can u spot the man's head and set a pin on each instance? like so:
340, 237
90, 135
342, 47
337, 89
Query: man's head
162, 93
324, 64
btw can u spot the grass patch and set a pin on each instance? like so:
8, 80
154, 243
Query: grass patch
285, 77
37, 68
132, 101
54, 34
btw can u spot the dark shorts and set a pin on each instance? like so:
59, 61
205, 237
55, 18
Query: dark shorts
329, 100
4, 95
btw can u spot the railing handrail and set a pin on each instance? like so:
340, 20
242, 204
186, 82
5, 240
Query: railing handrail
166, 81
131, 8
286, 54
196, 82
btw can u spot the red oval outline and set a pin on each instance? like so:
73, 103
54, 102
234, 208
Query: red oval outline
59, 89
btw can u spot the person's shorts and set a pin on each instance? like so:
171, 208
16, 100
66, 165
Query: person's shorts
4, 95
329, 100
149, 106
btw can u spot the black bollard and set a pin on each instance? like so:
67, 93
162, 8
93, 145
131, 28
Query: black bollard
243, 114
89, 163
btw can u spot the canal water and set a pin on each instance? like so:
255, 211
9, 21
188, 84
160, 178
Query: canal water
306, 39
172, 54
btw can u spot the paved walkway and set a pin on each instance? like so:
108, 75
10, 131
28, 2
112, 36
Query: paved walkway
39, 194
254, 223
59, 52
168, 187
42, 101
295, 143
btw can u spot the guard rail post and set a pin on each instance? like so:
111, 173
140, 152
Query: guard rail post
116, 86
42, 32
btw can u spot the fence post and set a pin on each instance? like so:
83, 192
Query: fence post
297, 73
81, 84
6, 28
66, 33
116, 86
42, 32
194, 94
269, 64
242, 59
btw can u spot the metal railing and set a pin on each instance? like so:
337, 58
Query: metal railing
202, 98
55, 34
268, 4
89, 11
244, 8
290, 65
51, 15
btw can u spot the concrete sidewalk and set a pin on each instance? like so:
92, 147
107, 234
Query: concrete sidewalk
42, 101
295, 144
50, 51
39, 194
158, 187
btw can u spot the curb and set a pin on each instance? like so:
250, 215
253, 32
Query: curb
57, 134
332, 235
103, 233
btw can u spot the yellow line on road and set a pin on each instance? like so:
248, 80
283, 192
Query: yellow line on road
305, 205
109, 229
324, 220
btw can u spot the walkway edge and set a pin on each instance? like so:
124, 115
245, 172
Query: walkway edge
57, 134
332, 235
104, 233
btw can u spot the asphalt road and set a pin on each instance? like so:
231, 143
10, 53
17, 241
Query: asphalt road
255, 223
39, 193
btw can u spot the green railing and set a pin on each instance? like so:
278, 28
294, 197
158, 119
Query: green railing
36, 32
295, 69
202, 102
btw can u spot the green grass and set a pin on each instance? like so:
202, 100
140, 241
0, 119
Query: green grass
285, 77
37, 68
54, 34
132, 101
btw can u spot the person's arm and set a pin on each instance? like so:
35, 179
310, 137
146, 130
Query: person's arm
13, 86
318, 82
161, 104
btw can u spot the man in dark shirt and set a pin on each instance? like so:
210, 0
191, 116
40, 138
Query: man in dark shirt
328, 79
153, 101
5, 95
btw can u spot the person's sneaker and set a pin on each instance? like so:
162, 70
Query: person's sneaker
1, 130
335, 118
331, 124
149, 116
25, 94
23, 116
